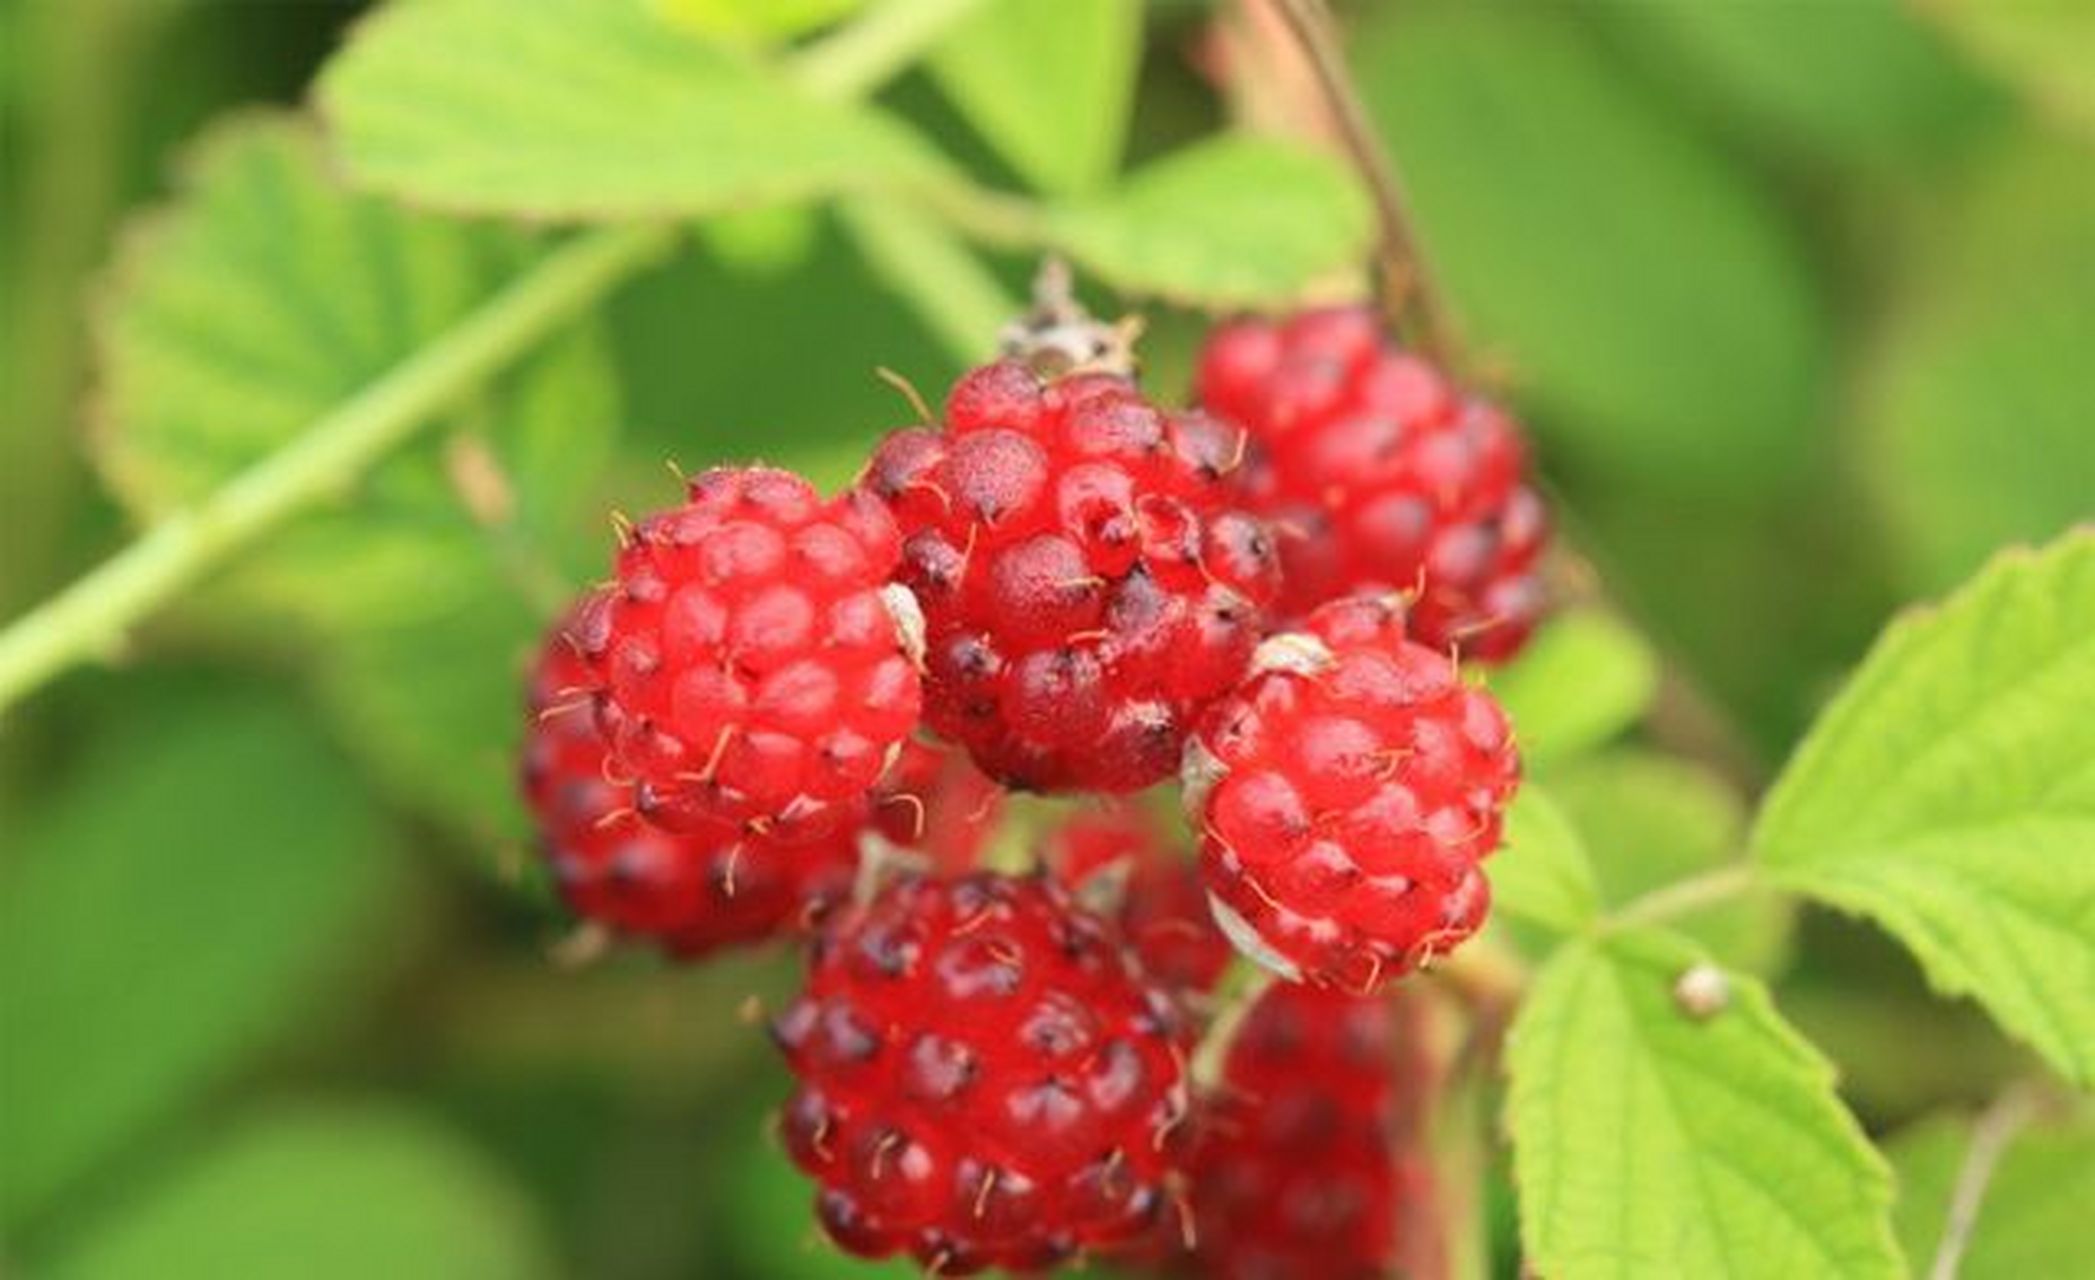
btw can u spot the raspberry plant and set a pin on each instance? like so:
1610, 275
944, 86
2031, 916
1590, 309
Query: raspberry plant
1195, 801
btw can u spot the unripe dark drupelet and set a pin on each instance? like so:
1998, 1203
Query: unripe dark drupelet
1345, 794
1380, 475
1087, 581
984, 1078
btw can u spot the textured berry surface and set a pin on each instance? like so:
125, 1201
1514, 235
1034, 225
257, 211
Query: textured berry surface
1381, 476
1296, 1170
1153, 887
692, 891
984, 1078
1088, 586
749, 669
935, 802
1345, 794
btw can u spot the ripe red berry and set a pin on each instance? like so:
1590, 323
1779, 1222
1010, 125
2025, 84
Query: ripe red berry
1118, 854
984, 1078
1296, 1170
1379, 475
750, 668
1345, 794
691, 891
1087, 584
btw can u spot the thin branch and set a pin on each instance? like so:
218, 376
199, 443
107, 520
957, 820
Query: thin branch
1989, 1141
865, 55
1684, 896
1403, 279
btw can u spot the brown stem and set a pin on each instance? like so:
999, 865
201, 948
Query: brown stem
1402, 280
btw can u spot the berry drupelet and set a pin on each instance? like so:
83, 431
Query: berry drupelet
1087, 581
750, 666
1345, 794
1380, 475
985, 1080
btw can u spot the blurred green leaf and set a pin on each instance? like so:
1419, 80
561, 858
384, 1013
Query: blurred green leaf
2043, 47
1655, 309
264, 298
1048, 83
435, 710
1649, 1142
1650, 820
1948, 793
1542, 874
768, 241
754, 19
2033, 1218
162, 916
1232, 221
341, 1190
1856, 82
1584, 678
1978, 404
587, 109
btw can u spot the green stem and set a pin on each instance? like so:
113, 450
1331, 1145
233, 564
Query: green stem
870, 52
1672, 901
95, 615
933, 271
1238, 990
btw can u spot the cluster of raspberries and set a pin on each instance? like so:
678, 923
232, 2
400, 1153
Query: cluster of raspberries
797, 715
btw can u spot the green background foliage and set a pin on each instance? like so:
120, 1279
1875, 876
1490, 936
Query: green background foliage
1795, 299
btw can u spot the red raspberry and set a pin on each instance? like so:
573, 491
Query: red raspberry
1345, 794
1295, 1172
1154, 887
1086, 584
936, 803
692, 891
985, 1079
1380, 476
750, 669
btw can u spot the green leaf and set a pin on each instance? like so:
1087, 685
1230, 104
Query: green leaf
264, 298
1542, 874
1584, 678
587, 109
1232, 221
1648, 1142
162, 916
1651, 820
1857, 82
1048, 83
435, 709
2043, 47
2033, 1218
764, 20
1659, 317
1948, 793
348, 1191
1977, 405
